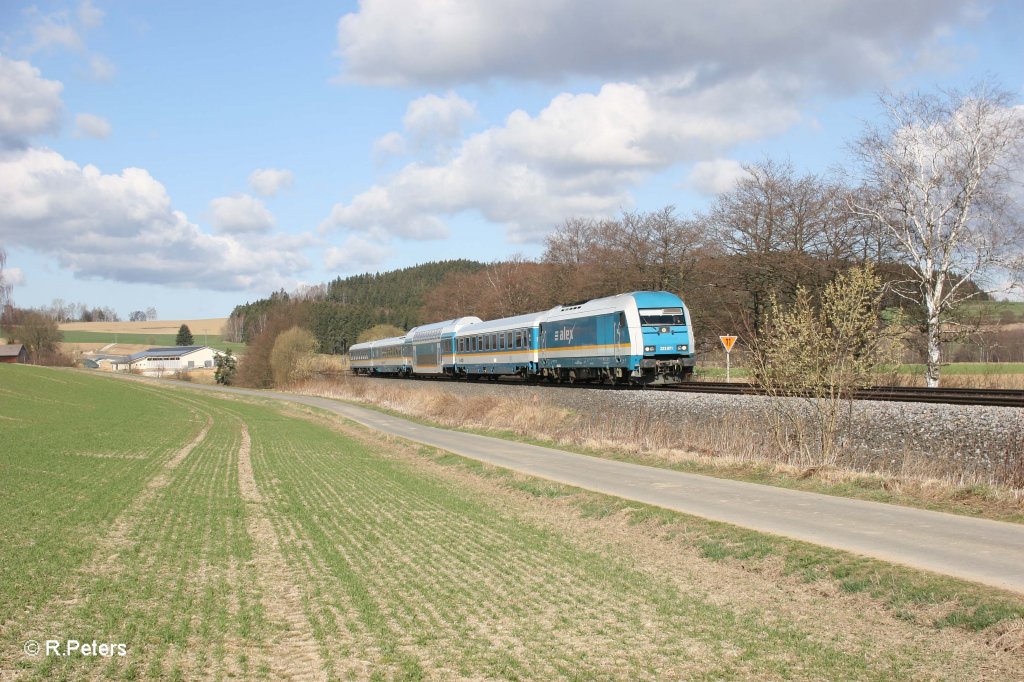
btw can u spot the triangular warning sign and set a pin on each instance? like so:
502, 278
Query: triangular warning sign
727, 342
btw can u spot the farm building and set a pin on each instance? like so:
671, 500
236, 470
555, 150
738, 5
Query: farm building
166, 360
13, 352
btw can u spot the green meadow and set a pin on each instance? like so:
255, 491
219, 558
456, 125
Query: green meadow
213, 340
218, 538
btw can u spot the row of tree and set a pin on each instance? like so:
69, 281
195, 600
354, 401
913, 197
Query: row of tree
928, 202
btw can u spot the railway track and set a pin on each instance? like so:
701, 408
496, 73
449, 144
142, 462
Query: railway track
949, 396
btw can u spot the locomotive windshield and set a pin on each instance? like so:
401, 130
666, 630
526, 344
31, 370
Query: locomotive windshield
663, 319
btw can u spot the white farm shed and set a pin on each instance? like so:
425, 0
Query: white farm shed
166, 360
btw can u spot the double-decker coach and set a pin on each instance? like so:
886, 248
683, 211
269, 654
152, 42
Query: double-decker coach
432, 346
384, 356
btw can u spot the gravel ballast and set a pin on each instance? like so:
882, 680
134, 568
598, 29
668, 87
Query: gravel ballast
971, 439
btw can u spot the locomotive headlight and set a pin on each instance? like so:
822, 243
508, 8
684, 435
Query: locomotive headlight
682, 347
648, 349
663, 330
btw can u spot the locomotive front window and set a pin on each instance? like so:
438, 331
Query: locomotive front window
662, 319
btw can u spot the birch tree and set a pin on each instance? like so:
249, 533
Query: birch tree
941, 172
5, 286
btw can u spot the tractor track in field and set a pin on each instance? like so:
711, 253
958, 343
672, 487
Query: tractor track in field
110, 545
282, 596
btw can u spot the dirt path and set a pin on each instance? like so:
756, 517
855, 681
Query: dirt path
293, 652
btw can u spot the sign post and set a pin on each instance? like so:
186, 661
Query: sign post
727, 343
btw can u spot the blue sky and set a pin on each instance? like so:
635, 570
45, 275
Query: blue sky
190, 156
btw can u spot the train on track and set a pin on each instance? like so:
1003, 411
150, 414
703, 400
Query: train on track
639, 338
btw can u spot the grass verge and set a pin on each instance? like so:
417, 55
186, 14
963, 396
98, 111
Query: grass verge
722, 449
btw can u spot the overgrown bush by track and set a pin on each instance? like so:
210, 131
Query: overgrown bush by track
734, 444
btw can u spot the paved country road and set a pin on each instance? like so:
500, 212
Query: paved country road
989, 552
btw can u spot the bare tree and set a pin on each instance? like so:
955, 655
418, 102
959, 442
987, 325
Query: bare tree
783, 231
640, 250
5, 286
940, 171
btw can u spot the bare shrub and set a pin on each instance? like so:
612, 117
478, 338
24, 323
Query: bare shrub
54, 358
291, 356
820, 355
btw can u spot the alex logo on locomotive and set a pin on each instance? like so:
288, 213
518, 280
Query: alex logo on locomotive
564, 335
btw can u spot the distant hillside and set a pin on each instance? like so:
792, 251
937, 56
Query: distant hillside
398, 294
344, 307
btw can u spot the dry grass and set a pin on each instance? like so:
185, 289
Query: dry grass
980, 380
211, 325
735, 446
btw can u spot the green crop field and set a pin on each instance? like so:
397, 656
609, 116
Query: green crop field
201, 536
213, 340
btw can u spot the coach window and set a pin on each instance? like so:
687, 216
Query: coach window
501, 342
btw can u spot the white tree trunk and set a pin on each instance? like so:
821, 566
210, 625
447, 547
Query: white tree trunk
934, 363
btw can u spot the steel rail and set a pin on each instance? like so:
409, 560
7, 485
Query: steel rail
949, 396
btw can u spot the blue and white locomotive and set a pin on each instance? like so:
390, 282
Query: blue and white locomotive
644, 337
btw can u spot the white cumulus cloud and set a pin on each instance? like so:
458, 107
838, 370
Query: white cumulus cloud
389, 145
715, 176
14, 276
457, 41
89, 15
91, 125
356, 254
268, 182
123, 227
432, 120
579, 156
241, 213
29, 103
101, 69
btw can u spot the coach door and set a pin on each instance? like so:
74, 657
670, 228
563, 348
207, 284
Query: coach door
621, 335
